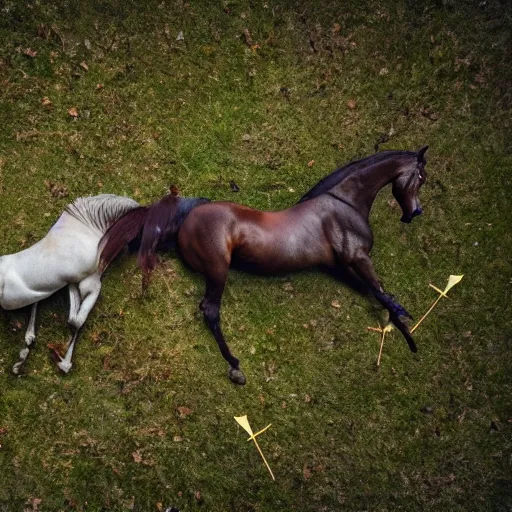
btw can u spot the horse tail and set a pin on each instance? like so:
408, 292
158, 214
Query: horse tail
161, 226
120, 233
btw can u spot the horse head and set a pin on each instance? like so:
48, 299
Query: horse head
407, 185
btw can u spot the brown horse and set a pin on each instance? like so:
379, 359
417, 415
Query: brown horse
327, 227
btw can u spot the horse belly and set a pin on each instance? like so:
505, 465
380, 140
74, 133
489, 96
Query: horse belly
16, 292
281, 252
39, 271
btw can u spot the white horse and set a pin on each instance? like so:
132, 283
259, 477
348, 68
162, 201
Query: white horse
66, 256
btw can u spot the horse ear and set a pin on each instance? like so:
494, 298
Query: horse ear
421, 152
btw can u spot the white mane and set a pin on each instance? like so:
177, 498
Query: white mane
100, 211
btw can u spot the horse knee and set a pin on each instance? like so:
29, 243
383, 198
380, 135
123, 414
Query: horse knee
210, 311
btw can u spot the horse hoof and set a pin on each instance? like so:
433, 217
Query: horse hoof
64, 367
236, 376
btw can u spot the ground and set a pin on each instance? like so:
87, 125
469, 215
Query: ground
128, 97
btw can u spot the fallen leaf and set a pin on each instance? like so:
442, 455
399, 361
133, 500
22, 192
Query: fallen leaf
73, 112
306, 473
137, 457
29, 53
351, 104
99, 87
248, 39
57, 190
35, 502
84, 65
57, 348
184, 412
335, 304
46, 101
311, 163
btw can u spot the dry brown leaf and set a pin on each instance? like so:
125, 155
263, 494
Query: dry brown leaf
73, 112
57, 348
311, 163
248, 39
46, 101
29, 53
184, 412
57, 190
351, 104
335, 304
35, 502
137, 457
84, 65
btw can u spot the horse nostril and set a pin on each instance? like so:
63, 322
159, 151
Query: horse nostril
418, 211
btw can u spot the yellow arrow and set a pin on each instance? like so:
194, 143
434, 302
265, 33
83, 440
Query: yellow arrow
452, 281
244, 423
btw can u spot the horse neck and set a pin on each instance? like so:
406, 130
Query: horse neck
361, 188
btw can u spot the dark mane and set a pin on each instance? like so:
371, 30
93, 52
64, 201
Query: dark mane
161, 225
154, 225
337, 176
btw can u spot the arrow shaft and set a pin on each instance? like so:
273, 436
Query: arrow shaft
381, 346
426, 314
264, 460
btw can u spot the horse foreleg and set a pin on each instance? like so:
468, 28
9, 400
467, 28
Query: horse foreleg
363, 268
210, 305
30, 336
87, 292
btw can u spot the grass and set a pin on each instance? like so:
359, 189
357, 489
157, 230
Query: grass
145, 419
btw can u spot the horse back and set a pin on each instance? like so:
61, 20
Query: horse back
271, 241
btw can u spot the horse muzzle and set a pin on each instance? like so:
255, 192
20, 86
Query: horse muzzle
408, 218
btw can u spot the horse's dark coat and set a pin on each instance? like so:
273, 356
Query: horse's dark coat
328, 227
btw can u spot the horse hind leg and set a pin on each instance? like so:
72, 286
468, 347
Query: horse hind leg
30, 337
210, 306
82, 299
